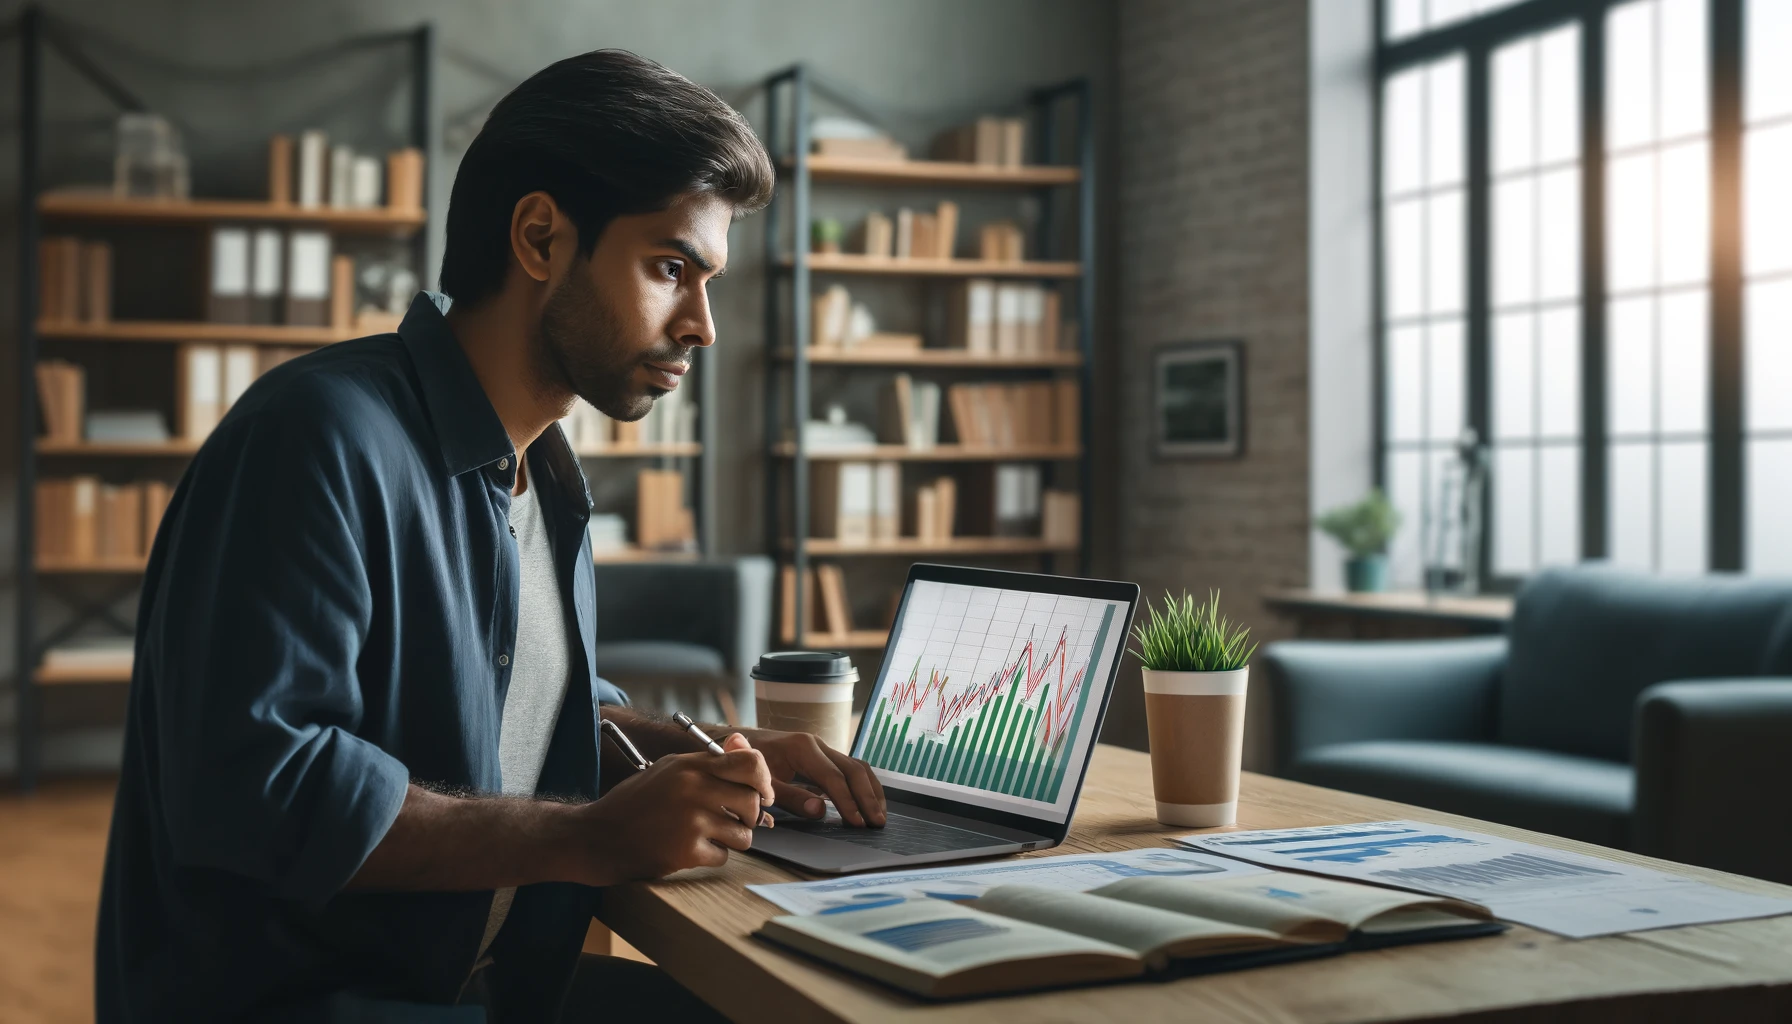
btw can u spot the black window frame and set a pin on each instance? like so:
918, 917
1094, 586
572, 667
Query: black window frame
1476, 38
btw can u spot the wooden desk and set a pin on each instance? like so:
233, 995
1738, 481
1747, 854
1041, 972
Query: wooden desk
697, 927
1394, 615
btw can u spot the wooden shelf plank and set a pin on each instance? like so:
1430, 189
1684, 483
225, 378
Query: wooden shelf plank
827, 548
65, 675
157, 449
642, 451
853, 640
190, 330
857, 263
635, 554
944, 358
939, 453
123, 566
935, 172
1490, 608
102, 206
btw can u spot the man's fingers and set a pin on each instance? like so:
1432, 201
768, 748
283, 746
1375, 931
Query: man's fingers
741, 763
865, 787
726, 830
822, 771
798, 800
722, 796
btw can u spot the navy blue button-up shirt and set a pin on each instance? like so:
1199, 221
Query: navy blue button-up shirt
328, 615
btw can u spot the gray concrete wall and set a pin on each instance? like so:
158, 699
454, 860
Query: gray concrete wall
225, 68
1213, 207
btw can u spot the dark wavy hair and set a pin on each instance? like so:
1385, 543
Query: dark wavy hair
607, 134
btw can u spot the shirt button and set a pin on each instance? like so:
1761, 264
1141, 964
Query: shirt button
504, 463
503, 659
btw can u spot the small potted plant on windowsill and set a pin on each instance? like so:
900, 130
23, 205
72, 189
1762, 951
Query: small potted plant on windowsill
1196, 667
1364, 529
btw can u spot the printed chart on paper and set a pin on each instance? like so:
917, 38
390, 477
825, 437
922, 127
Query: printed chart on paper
988, 689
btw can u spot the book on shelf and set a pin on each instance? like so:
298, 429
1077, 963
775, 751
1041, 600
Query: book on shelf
787, 604
199, 389
61, 398
905, 233
1017, 937
877, 236
1061, 518
991, 141
404, 179
118, 522
834, 135
91, 654
342, 291
267, 274
240, 366
841, 501
280, 170
74, 280
922, 235
313, 168
308, 278
1014, 320
126, 426
909, 413
227, 302
81, 520
836, 612
156, 496
662, 522
1001, 241
342, 162
935, 510
1034, 414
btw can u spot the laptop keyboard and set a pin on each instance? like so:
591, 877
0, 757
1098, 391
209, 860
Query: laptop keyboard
901, 834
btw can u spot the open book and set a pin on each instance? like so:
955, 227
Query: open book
1020, 937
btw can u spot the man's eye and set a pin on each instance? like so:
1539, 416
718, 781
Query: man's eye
671, 268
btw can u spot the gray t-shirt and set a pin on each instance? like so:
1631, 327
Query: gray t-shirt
539, 670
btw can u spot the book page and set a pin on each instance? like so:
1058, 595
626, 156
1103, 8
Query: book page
936, 938
1298, 906
1149, 931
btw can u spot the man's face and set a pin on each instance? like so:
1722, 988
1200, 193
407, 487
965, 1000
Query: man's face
620, 327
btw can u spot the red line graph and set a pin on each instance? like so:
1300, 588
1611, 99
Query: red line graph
911, 695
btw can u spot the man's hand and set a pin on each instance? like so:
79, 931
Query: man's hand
687, 810
848, 782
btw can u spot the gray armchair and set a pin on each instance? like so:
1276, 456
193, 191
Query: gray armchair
683, 636
1634, 711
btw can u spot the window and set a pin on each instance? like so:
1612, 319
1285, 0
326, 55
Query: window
1613, 315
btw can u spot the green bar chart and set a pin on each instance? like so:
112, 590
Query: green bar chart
1007, 732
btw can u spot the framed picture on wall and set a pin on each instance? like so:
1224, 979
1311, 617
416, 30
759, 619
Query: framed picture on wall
1198, 392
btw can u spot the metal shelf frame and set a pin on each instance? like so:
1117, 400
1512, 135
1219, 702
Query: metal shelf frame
35, 31
788, 93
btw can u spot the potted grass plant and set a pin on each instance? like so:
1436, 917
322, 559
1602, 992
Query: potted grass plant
1365, 530
1196, 667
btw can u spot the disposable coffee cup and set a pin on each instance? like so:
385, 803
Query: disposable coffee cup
1196, 725
806, 691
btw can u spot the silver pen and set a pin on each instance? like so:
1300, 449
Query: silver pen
765, 819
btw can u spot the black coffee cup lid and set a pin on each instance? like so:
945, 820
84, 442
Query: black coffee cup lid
804, 667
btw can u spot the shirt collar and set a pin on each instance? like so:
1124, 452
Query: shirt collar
466, 425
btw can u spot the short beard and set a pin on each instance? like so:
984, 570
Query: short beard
581, 347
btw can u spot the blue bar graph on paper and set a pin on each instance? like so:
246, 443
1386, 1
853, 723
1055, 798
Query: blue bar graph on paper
1493, 871
1279, 840
1357, 853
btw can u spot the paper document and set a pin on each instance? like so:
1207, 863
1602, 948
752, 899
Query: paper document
1569, 894
1074, 873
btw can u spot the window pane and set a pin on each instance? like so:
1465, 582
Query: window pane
1404, 17
1630, 222
1446, 253
1769, 496
1768, 355
1444, 108
1558, 505
1405, 242
1767, 91
1685, 213
1514, 502
1445, 384
1406, 376
1558, 242
1684, 360
1767, 199
1631, 492
1630, 75
1514, 241
1442, 12
1558, 373
1403, 120
1683, 488
1685, 106
1558, 95
1514, 106
1630, 366
1405, 491
1514, 376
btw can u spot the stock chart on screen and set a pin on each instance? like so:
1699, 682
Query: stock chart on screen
988, 689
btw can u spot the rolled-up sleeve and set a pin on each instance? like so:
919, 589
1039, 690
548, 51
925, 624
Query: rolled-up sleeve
260, 610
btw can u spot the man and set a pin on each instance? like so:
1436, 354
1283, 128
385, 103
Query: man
369, 613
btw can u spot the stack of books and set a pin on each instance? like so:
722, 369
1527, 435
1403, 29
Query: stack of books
916, 235
824, 590
320, 174
75, 280
992, 141
62, 398
935, 510
81, 520
1039, 414
1002, 241
855, 503
909, 413
267, 275
210, 378
1003, 319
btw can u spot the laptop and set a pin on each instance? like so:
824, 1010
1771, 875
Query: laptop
981, 722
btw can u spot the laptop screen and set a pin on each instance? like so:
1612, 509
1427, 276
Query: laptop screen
992, 696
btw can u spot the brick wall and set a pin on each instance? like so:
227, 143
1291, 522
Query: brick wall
1212, 238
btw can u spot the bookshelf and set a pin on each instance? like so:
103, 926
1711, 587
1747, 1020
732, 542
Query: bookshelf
103, 344
1059, 179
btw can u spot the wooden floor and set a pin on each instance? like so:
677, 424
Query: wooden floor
52, 847
52, 850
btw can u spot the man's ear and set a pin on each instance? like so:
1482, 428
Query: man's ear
532, 224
